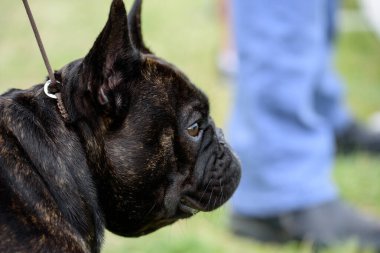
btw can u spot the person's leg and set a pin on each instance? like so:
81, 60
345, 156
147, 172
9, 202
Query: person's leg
285, 146
281, 131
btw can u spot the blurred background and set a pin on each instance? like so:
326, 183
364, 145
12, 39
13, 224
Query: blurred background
188, 34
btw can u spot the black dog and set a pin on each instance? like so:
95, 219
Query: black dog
128, 146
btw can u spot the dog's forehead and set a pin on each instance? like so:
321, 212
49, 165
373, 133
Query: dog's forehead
159, 67
167, 74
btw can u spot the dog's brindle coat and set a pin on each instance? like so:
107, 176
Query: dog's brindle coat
136, 150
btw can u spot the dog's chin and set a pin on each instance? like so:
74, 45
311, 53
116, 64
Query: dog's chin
183, 212
149, 228
186, 208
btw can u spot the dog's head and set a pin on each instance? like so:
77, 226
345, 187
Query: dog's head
165, 159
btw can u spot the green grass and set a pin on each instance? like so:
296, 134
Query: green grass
358, 60
186, 33
350, 4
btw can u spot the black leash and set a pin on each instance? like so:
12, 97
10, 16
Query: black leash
39, 42
56, 93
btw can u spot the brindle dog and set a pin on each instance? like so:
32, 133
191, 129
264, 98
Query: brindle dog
129, 146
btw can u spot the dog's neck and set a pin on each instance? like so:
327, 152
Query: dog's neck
90, 136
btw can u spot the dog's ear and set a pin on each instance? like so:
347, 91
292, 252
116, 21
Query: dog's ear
134, 21
111, 56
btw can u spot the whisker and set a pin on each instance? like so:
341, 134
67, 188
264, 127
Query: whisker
151, 209
222, 192
209, 200
214, 205
220, 196
204, 192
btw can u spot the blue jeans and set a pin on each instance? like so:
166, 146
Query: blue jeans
288, 105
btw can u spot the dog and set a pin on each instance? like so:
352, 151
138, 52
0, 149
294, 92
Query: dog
128, 146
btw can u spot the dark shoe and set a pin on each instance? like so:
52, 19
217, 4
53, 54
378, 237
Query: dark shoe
325, 225
358, 138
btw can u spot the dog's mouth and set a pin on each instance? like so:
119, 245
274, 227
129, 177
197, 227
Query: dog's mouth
189, 206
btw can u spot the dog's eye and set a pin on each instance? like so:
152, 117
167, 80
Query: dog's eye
194, 130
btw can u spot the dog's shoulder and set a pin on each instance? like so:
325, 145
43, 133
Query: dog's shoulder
45, 184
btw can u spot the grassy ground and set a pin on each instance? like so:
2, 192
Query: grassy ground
186, 33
